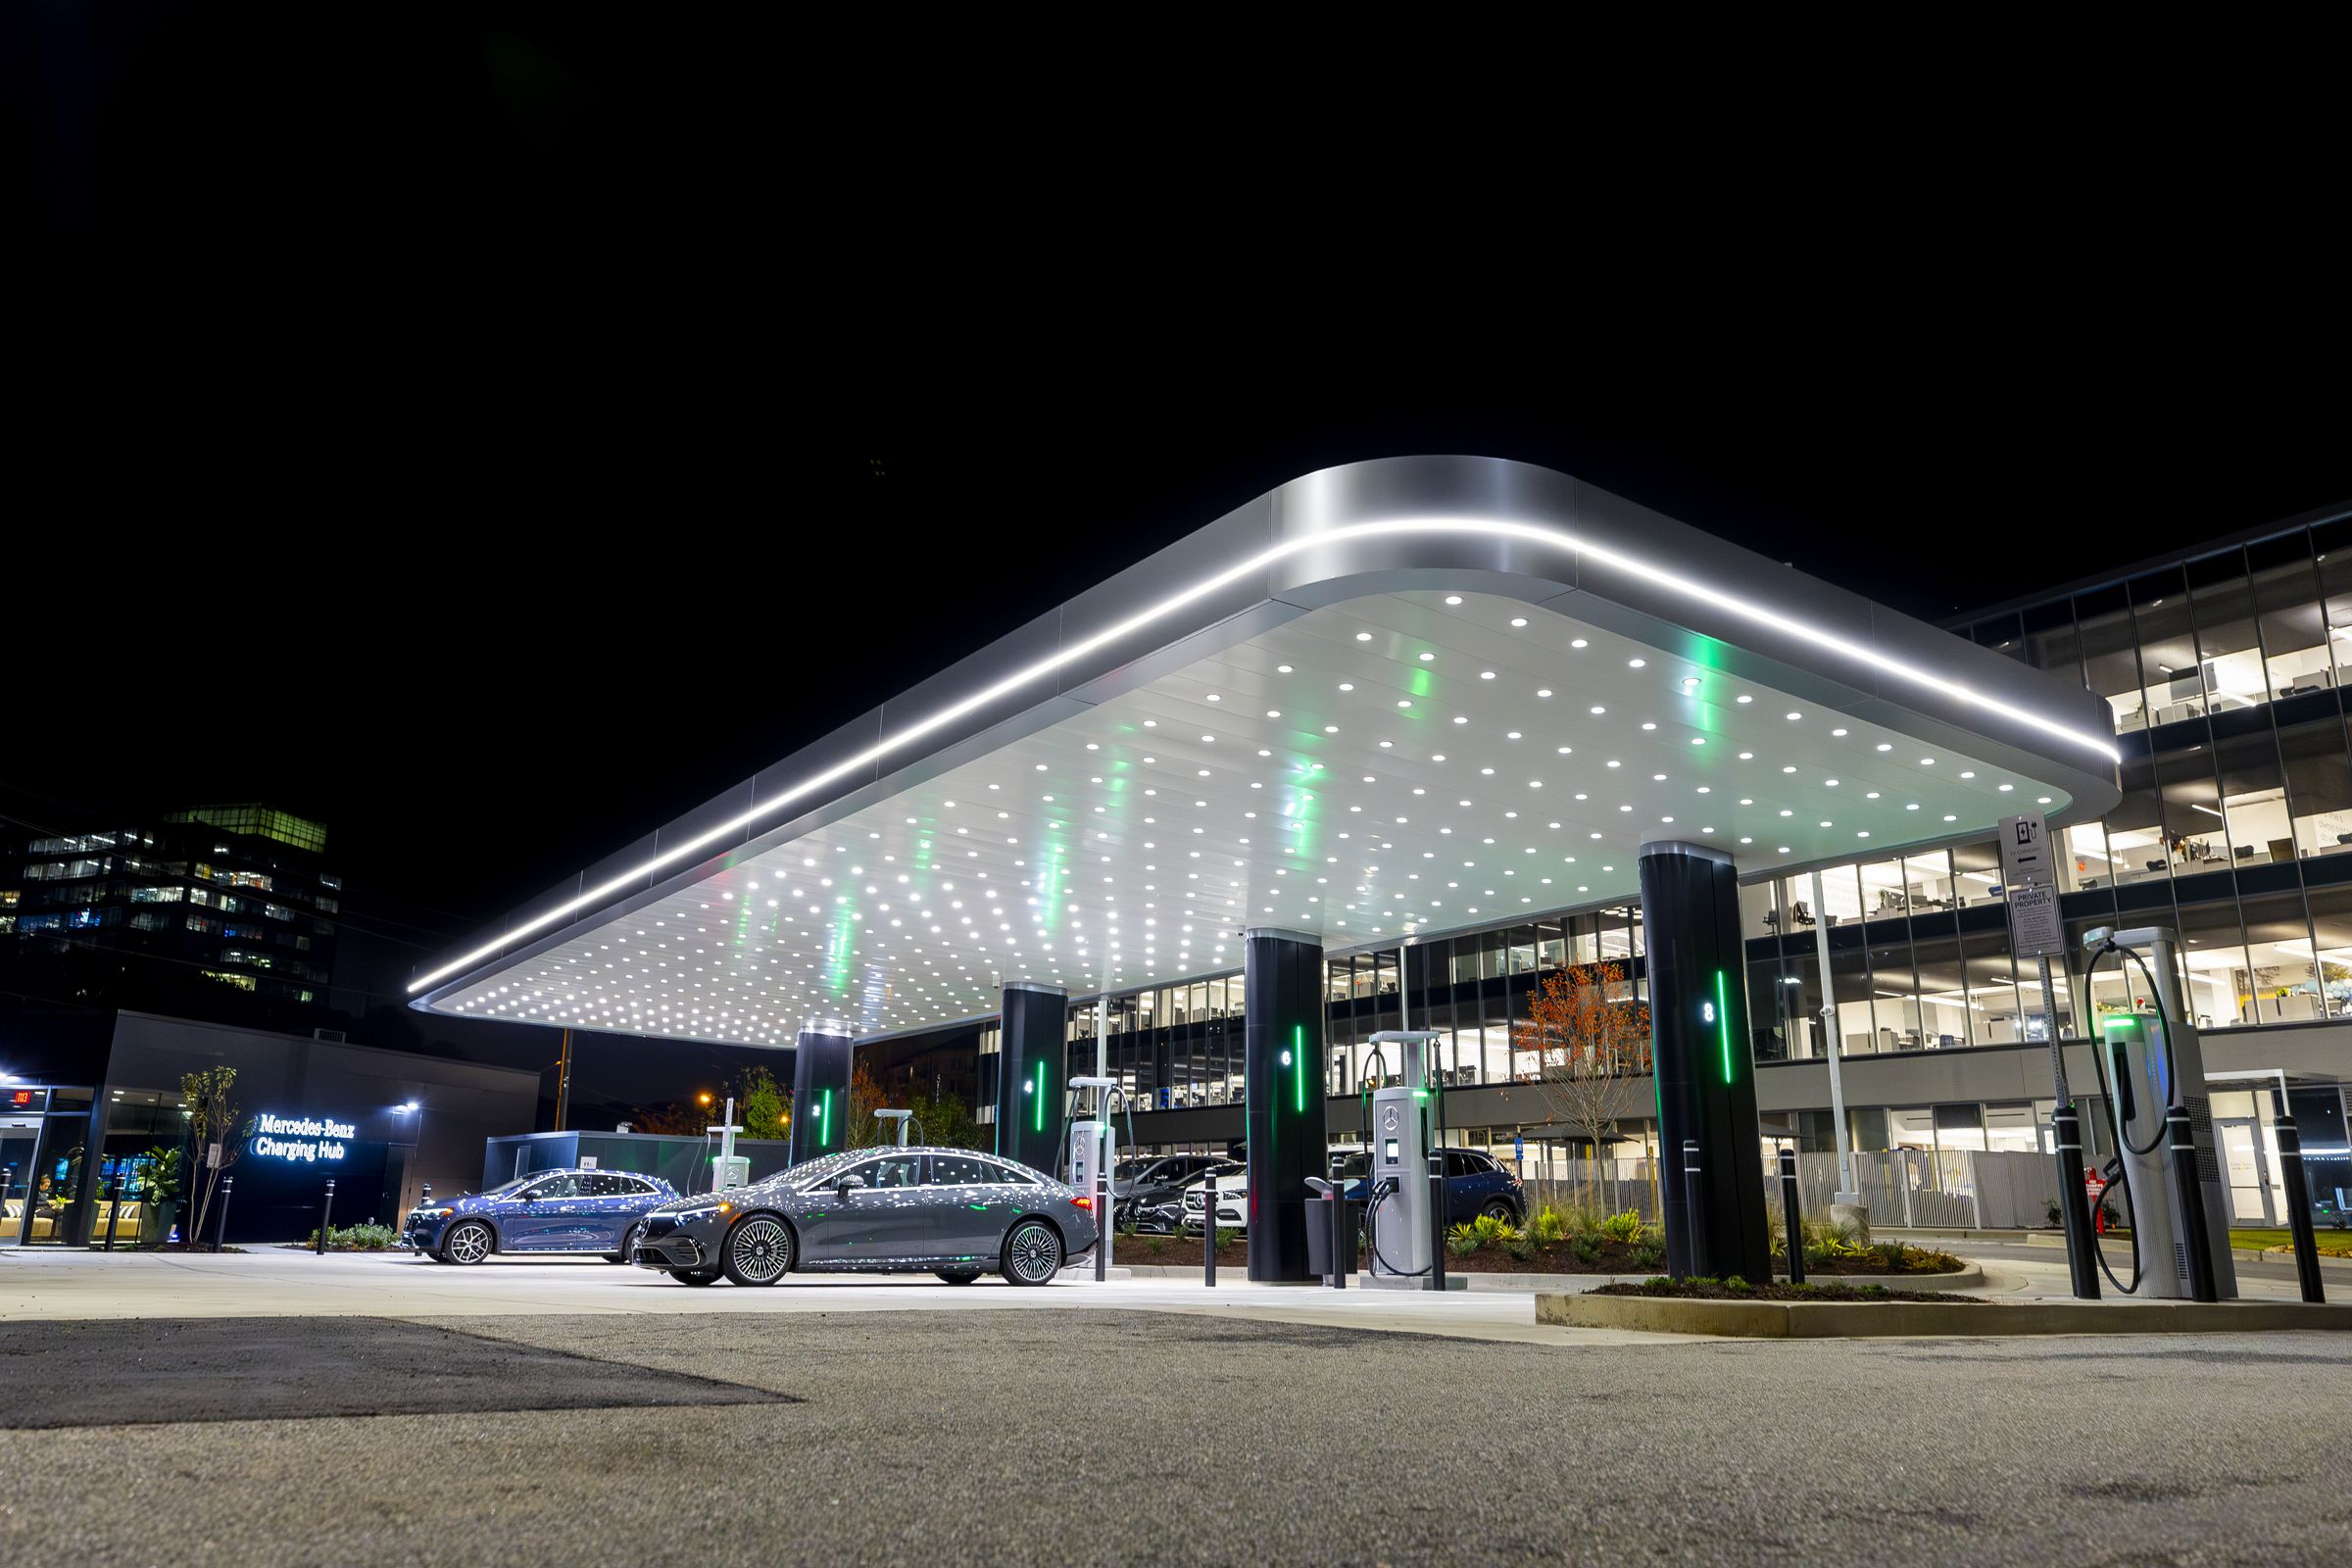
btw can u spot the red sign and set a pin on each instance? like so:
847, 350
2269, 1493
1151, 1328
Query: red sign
20, 1096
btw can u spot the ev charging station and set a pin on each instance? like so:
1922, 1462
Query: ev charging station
903, 1119
729, 1170
2151, 1070
1404, 1212
1093, 1143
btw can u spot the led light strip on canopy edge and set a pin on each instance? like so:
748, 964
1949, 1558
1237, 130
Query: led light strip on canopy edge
1562, 540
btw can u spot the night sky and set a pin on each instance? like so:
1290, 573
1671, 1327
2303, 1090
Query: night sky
493, 437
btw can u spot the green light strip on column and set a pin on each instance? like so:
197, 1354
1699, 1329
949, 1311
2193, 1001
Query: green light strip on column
1723, 1025
825, 1118
1299, 1065
1038, 1110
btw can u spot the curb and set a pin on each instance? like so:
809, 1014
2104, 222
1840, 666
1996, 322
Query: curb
1810, 1320
1968, 1279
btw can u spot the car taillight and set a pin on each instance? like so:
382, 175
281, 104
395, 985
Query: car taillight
1082, 1202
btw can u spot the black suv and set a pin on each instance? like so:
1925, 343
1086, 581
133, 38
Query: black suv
1144, 1192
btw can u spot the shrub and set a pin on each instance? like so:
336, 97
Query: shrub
1492, 1229
1521, 1245
1549, 1225
355, 1238
1463, 1239
1587, 1248
1736, 1282
1227, 1235
1625, 1227
1650, 1253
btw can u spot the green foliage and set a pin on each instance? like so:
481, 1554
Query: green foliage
353, 1237
159, 1175
1227, 1235
1463, 1239
1736, 1282
1648, 1253
1522, 1246
1549, 1225
761, 1106
948, 1122
1490, 1228
1585, 1248
1625, 1227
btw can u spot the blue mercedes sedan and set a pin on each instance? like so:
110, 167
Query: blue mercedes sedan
597, 1214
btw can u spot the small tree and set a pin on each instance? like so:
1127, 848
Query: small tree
761, 1105
1584, 1036
212, 1119
863, 1131
946, 1120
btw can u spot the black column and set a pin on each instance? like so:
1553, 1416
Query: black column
821, 1091
1033, 1074
1281, 1075
1705, 1071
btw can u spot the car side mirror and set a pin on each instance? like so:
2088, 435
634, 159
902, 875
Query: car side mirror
848, 1184
530, 1197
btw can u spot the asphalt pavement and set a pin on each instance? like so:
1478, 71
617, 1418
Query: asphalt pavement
1155, 1437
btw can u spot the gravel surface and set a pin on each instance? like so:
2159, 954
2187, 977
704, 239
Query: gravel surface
992, 1437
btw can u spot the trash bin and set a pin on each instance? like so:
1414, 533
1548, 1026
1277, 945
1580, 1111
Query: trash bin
1318, 1227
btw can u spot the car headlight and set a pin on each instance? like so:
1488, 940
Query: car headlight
705, 1211
434, 1213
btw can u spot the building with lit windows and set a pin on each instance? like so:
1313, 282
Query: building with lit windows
170, 914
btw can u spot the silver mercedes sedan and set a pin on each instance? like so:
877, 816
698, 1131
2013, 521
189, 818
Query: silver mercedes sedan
953, 1213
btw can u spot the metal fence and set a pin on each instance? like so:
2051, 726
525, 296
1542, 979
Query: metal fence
1922, 1188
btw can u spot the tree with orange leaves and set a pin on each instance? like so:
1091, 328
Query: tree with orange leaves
1584, 1034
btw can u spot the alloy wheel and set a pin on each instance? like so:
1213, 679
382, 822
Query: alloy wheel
1033, 1253
758, 1251
468, 1244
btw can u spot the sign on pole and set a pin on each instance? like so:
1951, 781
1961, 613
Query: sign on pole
2031, 887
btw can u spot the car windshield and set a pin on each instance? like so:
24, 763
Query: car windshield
1127, 1170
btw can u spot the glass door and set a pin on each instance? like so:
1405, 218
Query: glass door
2241, 1167
17, 1137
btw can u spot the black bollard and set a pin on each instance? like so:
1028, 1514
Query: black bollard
1208, 1233
1342, 1246
326, 1212
229, 1185
1790, 1219
2074, 1203
1692, 1260
1436, 1222
2188, 1199
113, 1212
2299, 1202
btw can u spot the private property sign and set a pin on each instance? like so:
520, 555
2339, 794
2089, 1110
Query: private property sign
2028, 884
307, 1139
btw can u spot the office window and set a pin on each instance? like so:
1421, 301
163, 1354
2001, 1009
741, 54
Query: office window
1883, 893
2111, 655
1993, 1013
2319, 785
2168, 675
2332, 932
2222, 601
2332, 540
2083, 861
1943, 997
2212, 946
1977, 872
2282, 981
2196, 834
2286, 606
1894, 998
2004, 635
2052, 642
2136, 842
2254, 799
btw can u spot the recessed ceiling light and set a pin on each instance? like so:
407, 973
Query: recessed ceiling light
1363, 636
1486, 674
1797, 715
1453, 599
1635, 663
1518, 620
1283, 668
1576, 642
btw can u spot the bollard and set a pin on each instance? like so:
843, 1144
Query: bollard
1209, 1234
1102, 1204
1436, 1222
229, 1185
2299, 1202
2074, 1203
1790, 1218
1342, 1246
1692, 1260
326, 1212
113, 1212
2188, 1199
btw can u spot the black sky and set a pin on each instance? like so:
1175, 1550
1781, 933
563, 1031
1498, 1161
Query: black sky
495, 432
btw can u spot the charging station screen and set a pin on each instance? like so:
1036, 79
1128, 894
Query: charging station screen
1388, 1151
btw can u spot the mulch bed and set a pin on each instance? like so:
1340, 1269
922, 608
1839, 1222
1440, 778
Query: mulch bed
1556, 1257
1717, 1291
